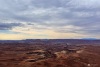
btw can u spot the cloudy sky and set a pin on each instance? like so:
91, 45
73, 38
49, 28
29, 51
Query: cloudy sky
30, 19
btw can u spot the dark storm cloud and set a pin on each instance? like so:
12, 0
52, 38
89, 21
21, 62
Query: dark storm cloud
58, 15
8, 26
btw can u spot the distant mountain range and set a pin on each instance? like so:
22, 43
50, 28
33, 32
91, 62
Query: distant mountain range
55, 41
90, 39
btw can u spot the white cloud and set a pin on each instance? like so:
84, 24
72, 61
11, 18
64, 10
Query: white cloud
85, 3
60, 16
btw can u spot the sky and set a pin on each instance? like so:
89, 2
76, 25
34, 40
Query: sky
49, 19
